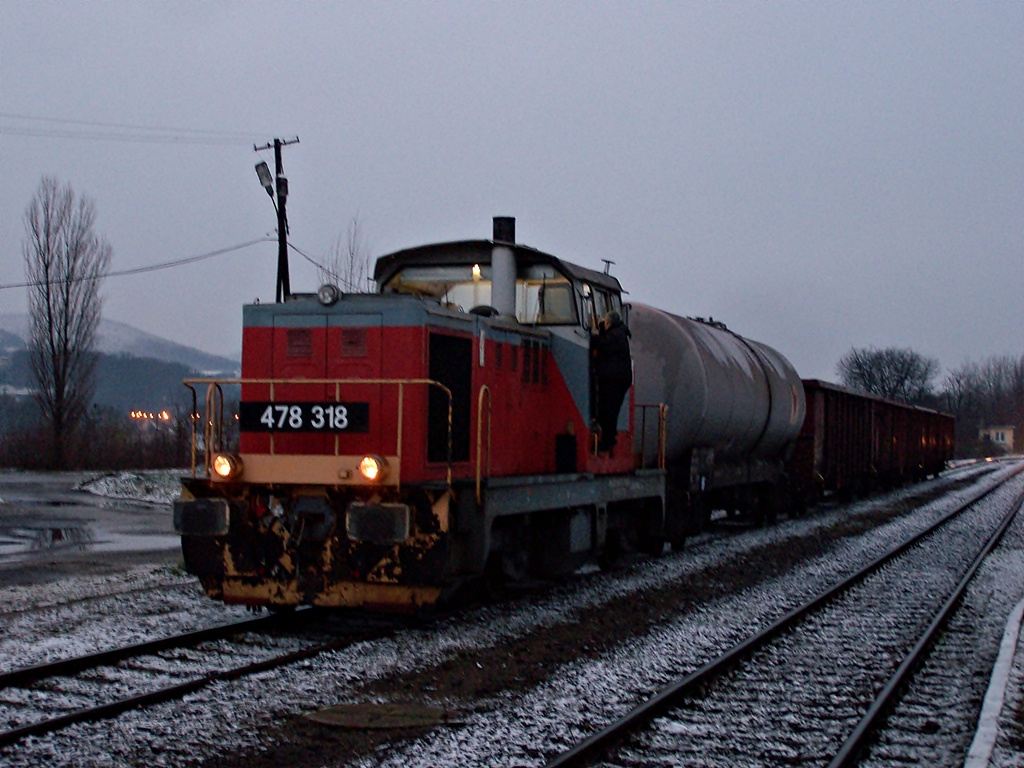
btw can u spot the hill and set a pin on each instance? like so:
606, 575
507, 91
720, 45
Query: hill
116, 338
135, 371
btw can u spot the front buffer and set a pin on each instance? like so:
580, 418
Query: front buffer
264, 546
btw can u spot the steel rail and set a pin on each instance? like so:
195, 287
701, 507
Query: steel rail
653, 707
178, 690
168, 693
63, 667
166, 585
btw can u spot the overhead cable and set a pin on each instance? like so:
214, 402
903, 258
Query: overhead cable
53, 127
151, 267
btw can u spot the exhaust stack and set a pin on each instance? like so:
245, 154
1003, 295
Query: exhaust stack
503, 266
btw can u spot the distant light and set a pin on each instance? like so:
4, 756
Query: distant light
476, 271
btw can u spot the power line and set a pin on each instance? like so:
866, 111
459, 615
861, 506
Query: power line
93, 130
133, 126
120, 137
307, 257
151, 267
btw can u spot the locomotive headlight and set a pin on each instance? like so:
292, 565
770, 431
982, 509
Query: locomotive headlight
373, 468
226, 467
328, 294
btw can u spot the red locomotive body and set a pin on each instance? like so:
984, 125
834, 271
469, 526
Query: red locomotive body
393, 446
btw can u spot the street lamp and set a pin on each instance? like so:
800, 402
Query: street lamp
266, 179
278, 181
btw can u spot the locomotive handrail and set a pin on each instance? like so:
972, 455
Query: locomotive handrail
214, 434
213, 430
214, 425
193, 415
484, 390
662, 432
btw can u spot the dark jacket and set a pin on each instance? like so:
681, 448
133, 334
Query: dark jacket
612, 361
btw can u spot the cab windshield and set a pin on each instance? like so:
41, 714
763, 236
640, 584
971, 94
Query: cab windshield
544, 296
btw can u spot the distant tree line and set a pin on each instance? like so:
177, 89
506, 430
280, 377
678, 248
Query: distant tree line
985, 394
897, 374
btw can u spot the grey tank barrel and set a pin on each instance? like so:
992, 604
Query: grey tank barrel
737, 396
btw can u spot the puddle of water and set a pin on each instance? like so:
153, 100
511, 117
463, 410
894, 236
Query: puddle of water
386, 716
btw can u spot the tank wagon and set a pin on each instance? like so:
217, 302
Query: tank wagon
395, 447
735, 408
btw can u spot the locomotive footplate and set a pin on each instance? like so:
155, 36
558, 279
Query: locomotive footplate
511, 496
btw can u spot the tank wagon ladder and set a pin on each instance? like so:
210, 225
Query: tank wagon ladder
662, 434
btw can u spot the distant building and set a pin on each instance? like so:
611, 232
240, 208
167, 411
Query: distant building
1002, 437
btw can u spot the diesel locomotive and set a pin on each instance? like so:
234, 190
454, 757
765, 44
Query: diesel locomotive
395, 447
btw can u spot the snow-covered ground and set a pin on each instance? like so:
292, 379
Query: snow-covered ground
82, 615
157, 486
514, 728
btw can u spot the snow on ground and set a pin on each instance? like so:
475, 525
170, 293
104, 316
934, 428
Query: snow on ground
21, 598
83, 615
158, 486
521, 730
233, 716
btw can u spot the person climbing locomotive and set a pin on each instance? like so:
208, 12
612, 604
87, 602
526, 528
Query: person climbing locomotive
613, 374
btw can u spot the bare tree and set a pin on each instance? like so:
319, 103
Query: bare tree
898, 374
958, 389
65, 262
348, 263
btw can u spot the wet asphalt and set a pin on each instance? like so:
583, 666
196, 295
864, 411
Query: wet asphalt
50, 529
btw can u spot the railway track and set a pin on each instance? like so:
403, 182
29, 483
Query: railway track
48, 697
816, 684
284, 743
163, 586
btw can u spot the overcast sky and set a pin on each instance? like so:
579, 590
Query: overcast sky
817, 175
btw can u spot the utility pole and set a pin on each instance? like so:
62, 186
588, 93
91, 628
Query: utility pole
283, 282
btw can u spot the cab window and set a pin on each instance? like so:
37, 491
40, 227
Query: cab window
598, 302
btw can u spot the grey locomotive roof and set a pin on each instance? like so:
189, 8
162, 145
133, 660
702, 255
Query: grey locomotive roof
479, 252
